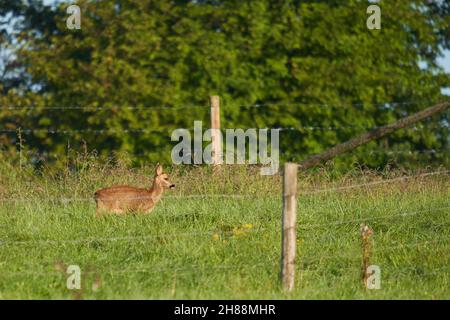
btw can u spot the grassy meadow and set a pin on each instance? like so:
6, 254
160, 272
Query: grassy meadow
218, 236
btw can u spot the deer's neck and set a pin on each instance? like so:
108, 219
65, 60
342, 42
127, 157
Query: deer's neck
157, 191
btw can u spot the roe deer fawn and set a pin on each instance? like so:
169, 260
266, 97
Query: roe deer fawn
126, 199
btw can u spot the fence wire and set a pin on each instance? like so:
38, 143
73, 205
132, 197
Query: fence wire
364, 219
45, 155
247, 268
238, 196
303, 265
374, 183
225, 105
209, 233
127, 238
165, 130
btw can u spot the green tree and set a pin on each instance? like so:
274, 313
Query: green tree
152, 65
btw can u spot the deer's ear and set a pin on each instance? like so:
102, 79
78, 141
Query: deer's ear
159, 169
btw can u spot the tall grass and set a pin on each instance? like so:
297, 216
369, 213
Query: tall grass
218, 235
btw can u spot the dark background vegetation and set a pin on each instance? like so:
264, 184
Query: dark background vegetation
302, 63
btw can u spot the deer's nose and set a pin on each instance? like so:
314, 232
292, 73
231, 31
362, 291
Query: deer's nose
172, 186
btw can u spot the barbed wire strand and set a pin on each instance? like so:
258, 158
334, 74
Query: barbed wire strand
143, 130
249, 267
252, 196
332, 105
112, 108
159, 269
128, 238
176, 269
376, 251
208, 233
363, 219
369, 184
224, 105
43, 155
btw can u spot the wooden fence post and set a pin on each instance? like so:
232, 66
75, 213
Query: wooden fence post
288, 225
215, 134
366, 233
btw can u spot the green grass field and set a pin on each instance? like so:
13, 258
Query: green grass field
222, 247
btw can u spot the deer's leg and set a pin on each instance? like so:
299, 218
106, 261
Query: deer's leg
146, 208
118, 211
100, 209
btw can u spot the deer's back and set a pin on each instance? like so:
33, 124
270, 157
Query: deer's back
121, 199
119, 189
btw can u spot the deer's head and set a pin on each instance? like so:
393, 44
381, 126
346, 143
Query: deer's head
162, 179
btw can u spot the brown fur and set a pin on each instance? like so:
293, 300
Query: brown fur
126, 199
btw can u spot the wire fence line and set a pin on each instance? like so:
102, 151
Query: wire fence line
389, 104
196, 268
237, 196
162, 130
219, 233
356, 255
357, 268
392, 152
332, 105
300, 227
131, 238
359, 219
90, 199
44, 155
238, 231
94, 131
351, 254
374, 183
249, 267
363, 219
376, 249
419, 243
98, 108
158, 269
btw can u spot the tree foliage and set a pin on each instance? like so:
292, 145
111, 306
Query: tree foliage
307, 63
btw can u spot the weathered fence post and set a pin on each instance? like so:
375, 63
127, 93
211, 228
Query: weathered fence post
288, 226
215, 133
366, 232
